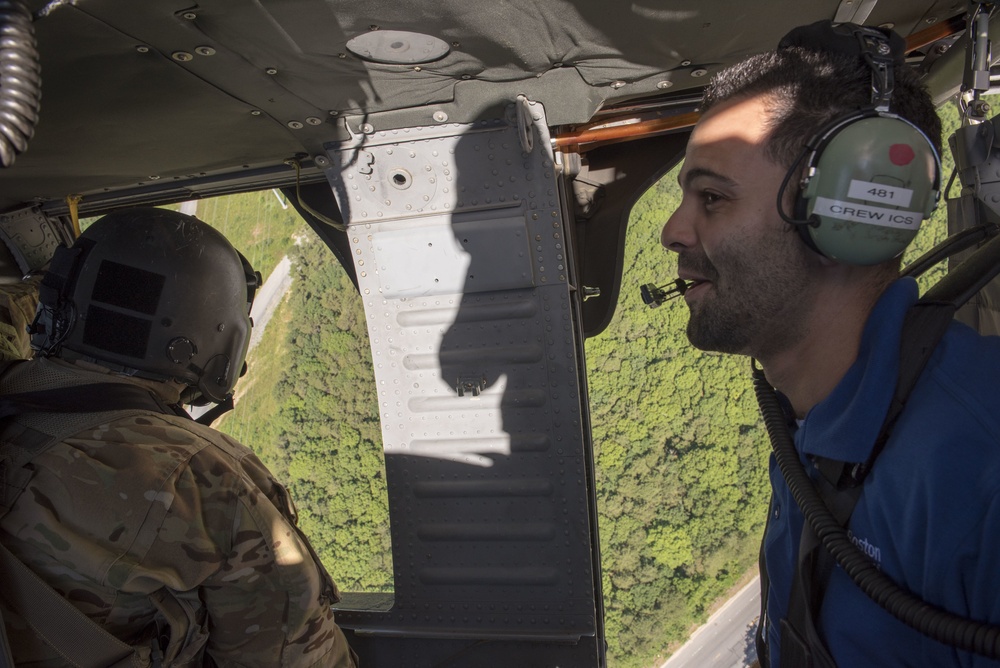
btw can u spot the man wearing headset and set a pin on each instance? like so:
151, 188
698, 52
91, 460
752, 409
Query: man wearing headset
804, 179
170, 536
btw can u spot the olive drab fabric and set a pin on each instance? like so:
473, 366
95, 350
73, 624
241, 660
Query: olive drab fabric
155, 526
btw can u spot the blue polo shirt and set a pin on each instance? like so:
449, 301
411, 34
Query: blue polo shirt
929, 516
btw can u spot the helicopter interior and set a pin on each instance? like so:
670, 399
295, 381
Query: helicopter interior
472, 165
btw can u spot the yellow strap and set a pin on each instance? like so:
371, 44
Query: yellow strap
74, 213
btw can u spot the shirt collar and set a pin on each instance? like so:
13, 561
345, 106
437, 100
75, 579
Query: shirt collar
168, 391
844, 426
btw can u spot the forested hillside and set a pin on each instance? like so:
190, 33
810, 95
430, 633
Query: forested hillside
680, 451
308, 405
680, 457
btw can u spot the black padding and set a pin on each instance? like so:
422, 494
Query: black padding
116, 332
128, 287
824, 36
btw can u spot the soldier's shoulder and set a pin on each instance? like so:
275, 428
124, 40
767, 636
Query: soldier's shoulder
181, 432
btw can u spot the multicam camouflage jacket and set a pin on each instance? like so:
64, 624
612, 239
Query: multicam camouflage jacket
17, 310
158, 527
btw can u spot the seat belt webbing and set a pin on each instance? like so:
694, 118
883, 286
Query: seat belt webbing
76, 637
91, 398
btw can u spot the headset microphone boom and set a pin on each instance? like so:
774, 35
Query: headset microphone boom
653, 296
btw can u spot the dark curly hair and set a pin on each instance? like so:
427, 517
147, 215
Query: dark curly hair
808, 89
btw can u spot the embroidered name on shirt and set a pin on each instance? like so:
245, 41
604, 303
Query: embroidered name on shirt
871, 551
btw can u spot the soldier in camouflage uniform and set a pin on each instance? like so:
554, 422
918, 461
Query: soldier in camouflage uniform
172, 536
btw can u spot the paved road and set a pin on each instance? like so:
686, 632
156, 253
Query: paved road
268, 298
726, 639
265, 301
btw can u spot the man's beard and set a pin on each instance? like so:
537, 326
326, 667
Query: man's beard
756, 302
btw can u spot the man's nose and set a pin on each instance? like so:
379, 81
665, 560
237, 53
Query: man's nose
678, 233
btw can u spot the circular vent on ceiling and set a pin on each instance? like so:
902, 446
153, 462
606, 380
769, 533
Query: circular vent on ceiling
398, 47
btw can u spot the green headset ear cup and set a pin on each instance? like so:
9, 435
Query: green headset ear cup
869, 183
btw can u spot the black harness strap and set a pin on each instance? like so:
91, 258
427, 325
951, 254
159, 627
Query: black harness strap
760, 637
840, 486
90, 398
801, 644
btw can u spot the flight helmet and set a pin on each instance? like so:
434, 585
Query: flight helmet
152, 293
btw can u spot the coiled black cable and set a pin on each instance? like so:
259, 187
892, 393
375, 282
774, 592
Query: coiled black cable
20, 80
941, 625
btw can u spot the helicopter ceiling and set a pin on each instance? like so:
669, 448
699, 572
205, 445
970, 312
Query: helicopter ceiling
165, 101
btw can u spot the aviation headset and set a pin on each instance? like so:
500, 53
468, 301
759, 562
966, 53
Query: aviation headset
869, 177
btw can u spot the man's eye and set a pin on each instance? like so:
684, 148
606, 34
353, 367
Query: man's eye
709, 198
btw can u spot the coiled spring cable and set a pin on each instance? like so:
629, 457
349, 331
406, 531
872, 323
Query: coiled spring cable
20, 80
